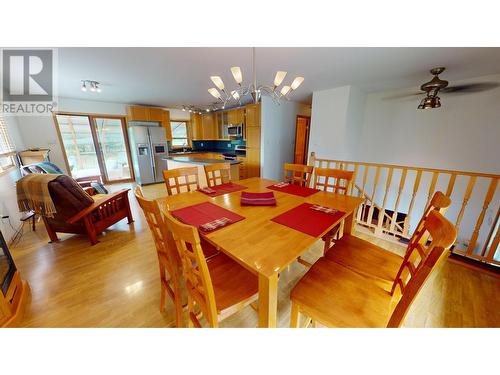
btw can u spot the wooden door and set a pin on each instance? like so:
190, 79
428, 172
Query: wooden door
302, 139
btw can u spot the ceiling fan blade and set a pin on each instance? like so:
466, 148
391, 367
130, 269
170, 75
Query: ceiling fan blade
470, 88
400, 96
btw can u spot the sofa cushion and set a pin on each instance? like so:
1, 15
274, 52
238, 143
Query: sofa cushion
68, 197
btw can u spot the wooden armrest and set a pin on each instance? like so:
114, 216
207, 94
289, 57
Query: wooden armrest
97, 203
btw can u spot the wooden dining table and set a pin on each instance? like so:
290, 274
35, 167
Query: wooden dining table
262, 246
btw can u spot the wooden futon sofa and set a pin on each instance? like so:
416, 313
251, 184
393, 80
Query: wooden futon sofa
78, 212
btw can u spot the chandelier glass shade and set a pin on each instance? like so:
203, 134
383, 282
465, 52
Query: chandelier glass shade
253, 91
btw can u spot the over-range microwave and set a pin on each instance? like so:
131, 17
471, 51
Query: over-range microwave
233, 131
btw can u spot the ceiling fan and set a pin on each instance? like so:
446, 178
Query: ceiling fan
436, 85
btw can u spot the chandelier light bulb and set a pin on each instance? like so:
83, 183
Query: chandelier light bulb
98, 89
213, 91
280, 76
218, 82
285, 90
296, 82
238, 77
84, 86
208, 110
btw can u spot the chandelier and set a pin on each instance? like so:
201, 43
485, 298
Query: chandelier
236, 96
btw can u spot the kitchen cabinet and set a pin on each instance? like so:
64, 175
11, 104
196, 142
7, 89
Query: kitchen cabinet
209, 126
137, 113
165, 122
253, 139
196, 127
153, 114
235, 116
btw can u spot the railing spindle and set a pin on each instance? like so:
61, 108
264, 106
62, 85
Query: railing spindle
396, 205
496, 239
432, 188
487, 200
468, 192
372, 199
451, 184
406, 226
381, 213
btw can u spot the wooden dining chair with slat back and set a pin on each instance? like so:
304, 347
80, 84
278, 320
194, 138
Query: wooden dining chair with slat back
217, 174
335, 181
366, 258
216, 289
337, 296
298, 174
168, 257
180, 180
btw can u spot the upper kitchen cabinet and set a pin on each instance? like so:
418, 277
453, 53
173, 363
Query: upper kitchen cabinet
209, 126
165, 122
252, 115
153, 114
236, 116
196, 127
137, 113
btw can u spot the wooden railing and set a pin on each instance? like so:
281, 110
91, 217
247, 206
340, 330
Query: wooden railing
396, 196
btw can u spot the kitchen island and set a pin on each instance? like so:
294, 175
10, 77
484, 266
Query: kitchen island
183, 161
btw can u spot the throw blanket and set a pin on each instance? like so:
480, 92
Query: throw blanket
33, 194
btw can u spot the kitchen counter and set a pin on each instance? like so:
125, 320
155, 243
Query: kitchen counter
199, 160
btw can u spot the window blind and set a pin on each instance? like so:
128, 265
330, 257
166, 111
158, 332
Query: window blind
6, 144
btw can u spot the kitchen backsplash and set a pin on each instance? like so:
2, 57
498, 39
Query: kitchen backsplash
216, 145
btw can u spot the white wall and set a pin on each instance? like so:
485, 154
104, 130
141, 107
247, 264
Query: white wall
278, 135
8, 201
333, 122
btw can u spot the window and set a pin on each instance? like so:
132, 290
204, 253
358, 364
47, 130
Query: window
6, 148
179, 133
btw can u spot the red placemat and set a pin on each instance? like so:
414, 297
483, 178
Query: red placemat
258, 199
203, 213
294, 190
224, 189
306, 220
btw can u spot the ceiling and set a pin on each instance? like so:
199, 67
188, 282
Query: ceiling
172, 77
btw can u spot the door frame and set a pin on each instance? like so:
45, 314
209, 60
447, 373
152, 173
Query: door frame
306, 151
99, 154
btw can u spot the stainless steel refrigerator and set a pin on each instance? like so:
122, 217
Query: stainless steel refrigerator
149, 149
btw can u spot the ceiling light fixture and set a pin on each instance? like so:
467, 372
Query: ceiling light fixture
253, 90
92, 85
193, 109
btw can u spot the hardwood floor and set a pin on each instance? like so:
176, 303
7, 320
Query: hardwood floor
116, 284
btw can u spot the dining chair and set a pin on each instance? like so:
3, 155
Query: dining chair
168, 256
366, 258
178, 179
336, 181
217, 173
298, 174
216, 289
337, 296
